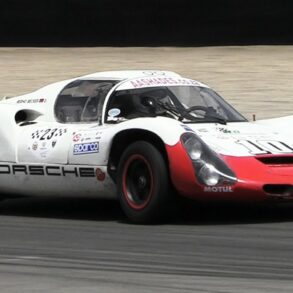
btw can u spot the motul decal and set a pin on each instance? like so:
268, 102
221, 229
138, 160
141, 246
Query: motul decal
218, 189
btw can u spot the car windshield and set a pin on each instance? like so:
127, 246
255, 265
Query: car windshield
189, 104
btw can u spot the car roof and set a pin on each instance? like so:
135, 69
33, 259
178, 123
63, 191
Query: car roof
129, 74
130, 79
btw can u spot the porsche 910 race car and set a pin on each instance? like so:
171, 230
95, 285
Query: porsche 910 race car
142, 137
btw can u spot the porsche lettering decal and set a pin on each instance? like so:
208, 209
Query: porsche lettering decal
39, 170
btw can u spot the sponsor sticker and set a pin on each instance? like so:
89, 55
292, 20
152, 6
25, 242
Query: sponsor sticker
161, 81
76, 137
86, 148
31, 101
228, 131
218, 189
114, 112
82, 136
150, 81
101, 176
47, 134
35, 146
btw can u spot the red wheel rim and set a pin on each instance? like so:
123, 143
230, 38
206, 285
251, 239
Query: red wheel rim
138, 182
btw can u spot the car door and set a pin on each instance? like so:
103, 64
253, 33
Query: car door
79, 109
44, 143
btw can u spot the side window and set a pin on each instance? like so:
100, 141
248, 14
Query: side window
129, 104
82, 101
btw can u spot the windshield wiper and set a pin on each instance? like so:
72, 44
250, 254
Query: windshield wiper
206, 120
209, 115
172, 109
217, 118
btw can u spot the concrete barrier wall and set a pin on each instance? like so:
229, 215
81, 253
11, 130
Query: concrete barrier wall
151, 22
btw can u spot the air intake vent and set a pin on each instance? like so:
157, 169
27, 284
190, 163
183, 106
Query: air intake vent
282, 190
277, 160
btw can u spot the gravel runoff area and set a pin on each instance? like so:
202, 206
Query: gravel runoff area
255, 79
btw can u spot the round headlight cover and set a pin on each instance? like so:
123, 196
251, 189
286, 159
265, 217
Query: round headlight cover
209, 175
209, 168
193, 147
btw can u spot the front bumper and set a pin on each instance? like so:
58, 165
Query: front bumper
256, 181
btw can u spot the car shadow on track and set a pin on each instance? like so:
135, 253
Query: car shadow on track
231, 213
63, 208
189, 213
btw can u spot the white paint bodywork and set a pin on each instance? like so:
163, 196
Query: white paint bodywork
19, 147
39, 145
239, 138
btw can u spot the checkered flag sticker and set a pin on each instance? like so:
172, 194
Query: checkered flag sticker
48, 133
37, 134
61, 131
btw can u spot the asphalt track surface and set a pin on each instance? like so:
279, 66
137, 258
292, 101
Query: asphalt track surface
82, 245
70, 245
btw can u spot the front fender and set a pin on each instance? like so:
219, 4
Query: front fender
164, 134
279, 125
169, 130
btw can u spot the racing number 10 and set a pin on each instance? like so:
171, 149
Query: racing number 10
265, 146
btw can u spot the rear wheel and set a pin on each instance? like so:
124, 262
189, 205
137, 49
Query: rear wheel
143, 183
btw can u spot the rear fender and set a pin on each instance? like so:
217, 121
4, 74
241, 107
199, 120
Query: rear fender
11, 119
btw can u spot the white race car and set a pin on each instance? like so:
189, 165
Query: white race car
141, 137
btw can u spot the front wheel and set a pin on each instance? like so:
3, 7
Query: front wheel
143, 183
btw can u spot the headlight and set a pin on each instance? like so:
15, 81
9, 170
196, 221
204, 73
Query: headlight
193, 147
209, 175
210, 170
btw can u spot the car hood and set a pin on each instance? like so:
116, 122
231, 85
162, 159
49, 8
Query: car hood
242, 138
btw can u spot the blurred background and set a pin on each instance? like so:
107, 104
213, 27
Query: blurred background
241, 48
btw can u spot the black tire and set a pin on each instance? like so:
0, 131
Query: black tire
143, 184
